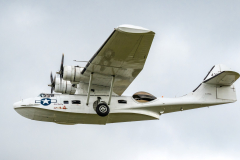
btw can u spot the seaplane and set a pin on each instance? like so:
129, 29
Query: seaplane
94, 94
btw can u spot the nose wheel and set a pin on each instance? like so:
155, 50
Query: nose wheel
102, 109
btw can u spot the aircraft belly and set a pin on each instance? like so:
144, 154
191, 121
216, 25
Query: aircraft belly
128, 117
60, 117
73, 116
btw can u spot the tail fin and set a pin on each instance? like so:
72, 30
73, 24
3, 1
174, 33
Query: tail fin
219, 81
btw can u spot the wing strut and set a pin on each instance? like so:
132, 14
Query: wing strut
111, 88
89, 87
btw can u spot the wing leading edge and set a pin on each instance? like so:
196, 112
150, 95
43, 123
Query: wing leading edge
122, 55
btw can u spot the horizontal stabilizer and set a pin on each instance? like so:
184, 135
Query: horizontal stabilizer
225, 78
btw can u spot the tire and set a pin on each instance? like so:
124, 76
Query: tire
102, 109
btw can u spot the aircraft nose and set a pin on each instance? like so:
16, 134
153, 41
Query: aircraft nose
16, 104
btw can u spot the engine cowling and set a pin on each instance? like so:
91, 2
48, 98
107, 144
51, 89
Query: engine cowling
64, 87
72, 73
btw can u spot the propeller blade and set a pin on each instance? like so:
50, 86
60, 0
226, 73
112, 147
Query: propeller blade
61, 67
61, 71
51, 78
61, 83
51, 90
54, 80
52, 85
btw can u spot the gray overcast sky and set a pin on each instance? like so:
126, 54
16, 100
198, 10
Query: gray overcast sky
191, 36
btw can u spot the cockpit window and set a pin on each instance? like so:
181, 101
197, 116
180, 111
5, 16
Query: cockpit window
143, 97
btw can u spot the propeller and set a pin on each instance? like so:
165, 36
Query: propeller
52, 85
61, 67
60, 72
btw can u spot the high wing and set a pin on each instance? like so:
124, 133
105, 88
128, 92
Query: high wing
123, 56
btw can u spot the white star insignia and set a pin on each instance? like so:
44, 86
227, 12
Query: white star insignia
45, 101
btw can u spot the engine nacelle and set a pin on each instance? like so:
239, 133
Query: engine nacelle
72, 73
64, 87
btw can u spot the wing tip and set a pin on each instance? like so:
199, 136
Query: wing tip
133, 29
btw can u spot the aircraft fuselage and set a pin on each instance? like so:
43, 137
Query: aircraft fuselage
63, 109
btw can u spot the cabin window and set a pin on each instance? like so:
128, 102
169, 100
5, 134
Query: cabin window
76, 102
143, 97
65, 102
122, 101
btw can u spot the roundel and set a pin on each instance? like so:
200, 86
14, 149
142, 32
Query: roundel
45, 101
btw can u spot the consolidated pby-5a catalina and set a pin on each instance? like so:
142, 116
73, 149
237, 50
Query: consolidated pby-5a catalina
93, 94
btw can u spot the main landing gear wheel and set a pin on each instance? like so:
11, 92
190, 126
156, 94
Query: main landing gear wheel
102, 109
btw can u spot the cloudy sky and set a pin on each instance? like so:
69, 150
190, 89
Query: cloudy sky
191, 36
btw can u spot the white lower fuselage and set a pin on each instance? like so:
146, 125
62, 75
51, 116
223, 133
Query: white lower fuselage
133, 110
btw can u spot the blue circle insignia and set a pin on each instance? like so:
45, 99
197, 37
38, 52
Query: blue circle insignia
45, 101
